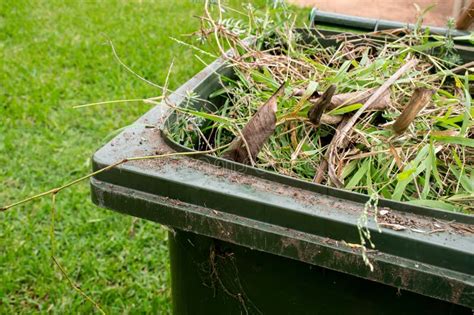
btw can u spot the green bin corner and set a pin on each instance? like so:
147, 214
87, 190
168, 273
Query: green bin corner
247, 241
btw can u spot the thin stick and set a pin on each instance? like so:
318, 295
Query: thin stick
110, 102
129, 69
61, 268
165, 86
80, 179
76, 287
465, 66
51, 231
53, 193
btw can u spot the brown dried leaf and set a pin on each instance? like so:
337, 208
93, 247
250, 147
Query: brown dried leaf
257, 131
420, 98
319, 107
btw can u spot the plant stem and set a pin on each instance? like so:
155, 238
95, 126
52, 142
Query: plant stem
80, 179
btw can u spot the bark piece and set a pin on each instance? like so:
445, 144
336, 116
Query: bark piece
256, 132
319, 107
420, 98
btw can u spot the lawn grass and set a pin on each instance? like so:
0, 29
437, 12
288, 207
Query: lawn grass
54, 54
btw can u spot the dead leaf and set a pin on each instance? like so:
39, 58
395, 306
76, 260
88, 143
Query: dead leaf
420, 98
257, 131
319, 107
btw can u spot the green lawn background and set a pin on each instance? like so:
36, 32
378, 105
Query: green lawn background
54, 55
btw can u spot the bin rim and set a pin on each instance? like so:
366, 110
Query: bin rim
370, 24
